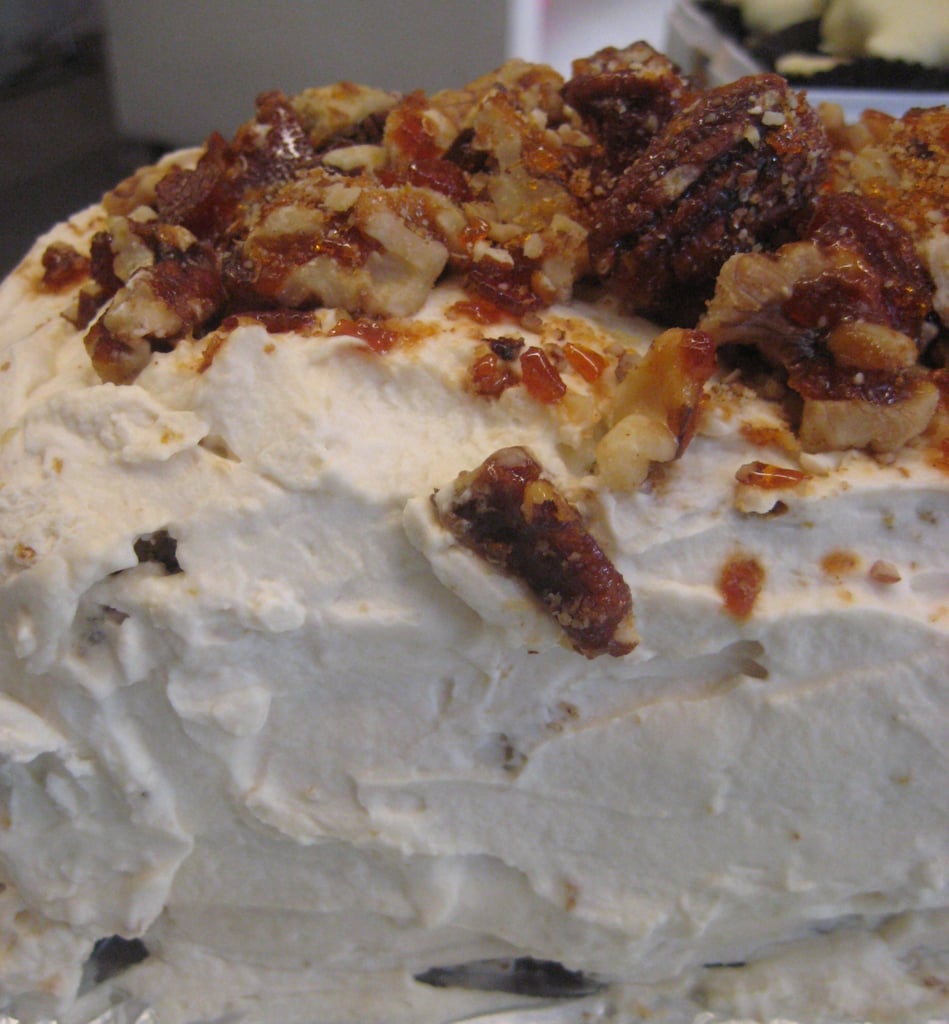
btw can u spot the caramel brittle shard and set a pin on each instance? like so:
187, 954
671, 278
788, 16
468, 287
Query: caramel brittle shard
507, 512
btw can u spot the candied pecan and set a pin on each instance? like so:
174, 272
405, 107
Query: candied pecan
861, 345
730, 173
103, 285
101, 267
508, 513
462, 153
530, 246
625, 97
901, 163
534, 89
488, 375
441, 175
414, 131
279, 153
345, 241
858, 266
202, 199
85, 308
508, 287
670, 381
139, 188
115, 359
343, 114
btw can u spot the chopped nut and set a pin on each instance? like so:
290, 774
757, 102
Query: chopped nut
669, 383
625, 454
882, 425
63, 265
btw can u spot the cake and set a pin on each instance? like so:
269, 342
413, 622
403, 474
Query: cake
844, 44
494, 542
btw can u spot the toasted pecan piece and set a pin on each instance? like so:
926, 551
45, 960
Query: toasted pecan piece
656, 407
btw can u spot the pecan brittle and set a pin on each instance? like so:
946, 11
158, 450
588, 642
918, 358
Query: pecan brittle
813, 251
509, 514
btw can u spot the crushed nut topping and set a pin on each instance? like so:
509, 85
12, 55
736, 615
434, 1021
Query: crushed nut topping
737, 212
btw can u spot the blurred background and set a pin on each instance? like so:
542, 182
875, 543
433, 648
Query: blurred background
91, 89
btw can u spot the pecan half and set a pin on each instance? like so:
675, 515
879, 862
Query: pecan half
509, 514
732, 172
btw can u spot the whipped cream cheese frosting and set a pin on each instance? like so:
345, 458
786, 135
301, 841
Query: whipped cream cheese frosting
335, 736
262, 710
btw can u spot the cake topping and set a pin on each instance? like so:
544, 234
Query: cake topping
507, 512
655, 408
727, 174
732, 209
63, 265
844, 315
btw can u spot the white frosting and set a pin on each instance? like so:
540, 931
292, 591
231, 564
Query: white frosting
337, 746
